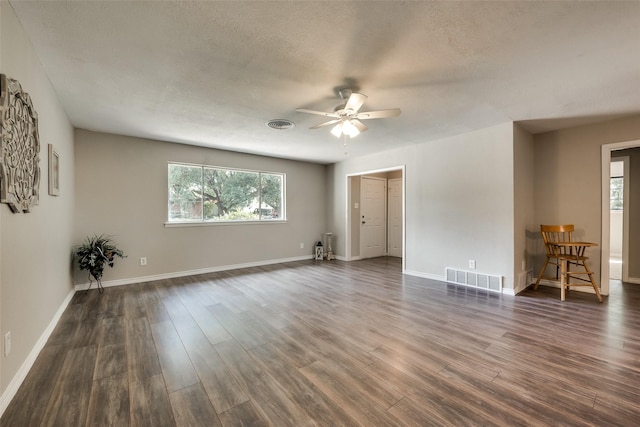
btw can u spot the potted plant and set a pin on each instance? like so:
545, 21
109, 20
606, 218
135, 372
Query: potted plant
94, 254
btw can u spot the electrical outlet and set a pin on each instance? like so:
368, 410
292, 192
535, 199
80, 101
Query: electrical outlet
301, 245
143, 260
472, 263
7, 343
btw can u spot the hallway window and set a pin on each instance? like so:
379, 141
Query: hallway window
616, 193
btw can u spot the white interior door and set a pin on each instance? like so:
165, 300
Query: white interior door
373, 217
394, 222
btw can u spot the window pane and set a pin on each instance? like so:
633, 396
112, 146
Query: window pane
230, 195
616, 193
272, 196
185, 192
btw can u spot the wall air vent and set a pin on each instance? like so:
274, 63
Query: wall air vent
475, 280
280, 124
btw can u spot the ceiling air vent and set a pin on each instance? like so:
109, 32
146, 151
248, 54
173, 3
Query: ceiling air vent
280, 124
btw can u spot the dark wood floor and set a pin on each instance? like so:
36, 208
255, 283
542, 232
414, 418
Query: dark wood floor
334, 343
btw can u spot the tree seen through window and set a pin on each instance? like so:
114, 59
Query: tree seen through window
616, 193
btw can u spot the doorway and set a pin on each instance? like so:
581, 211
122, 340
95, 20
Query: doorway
383, 233
609, 153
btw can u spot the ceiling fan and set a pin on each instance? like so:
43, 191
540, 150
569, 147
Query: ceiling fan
346, 116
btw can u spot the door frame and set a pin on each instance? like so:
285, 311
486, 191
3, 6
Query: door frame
388, 223
625, 216
349, 203
605, 215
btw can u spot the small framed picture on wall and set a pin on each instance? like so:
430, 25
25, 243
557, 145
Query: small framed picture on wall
54, 171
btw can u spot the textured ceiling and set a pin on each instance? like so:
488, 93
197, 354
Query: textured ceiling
213, 73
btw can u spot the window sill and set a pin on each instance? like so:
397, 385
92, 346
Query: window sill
174, 224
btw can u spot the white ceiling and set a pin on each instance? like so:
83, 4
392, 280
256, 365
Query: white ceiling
212, 73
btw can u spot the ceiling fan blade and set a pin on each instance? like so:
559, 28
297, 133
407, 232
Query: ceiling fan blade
355, 101
320, 113
330, 122
359, 125
379, 114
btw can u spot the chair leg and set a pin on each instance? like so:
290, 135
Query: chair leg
546, 262
568, 273
593, 282
563, 279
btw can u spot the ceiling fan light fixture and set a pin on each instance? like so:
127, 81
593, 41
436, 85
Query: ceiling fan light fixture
348, 128
337, 130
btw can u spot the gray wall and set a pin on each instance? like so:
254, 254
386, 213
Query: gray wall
35, 261
568, 177
634, 208
459, 201
121, 190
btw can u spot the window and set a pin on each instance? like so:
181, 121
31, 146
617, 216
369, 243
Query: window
616, 193
210, 194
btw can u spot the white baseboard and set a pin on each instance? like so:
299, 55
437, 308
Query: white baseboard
173, 275
634, 280
425, 275
19, 377
550, 283
516, 290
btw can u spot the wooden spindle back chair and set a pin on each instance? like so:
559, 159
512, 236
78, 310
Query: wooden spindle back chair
571, 255
552, 234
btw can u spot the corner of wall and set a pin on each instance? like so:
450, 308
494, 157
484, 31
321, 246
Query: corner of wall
525, 234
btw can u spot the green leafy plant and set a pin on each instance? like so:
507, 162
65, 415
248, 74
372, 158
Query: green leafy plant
94, 254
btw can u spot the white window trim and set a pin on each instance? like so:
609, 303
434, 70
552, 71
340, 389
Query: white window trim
216, 223
208, 223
